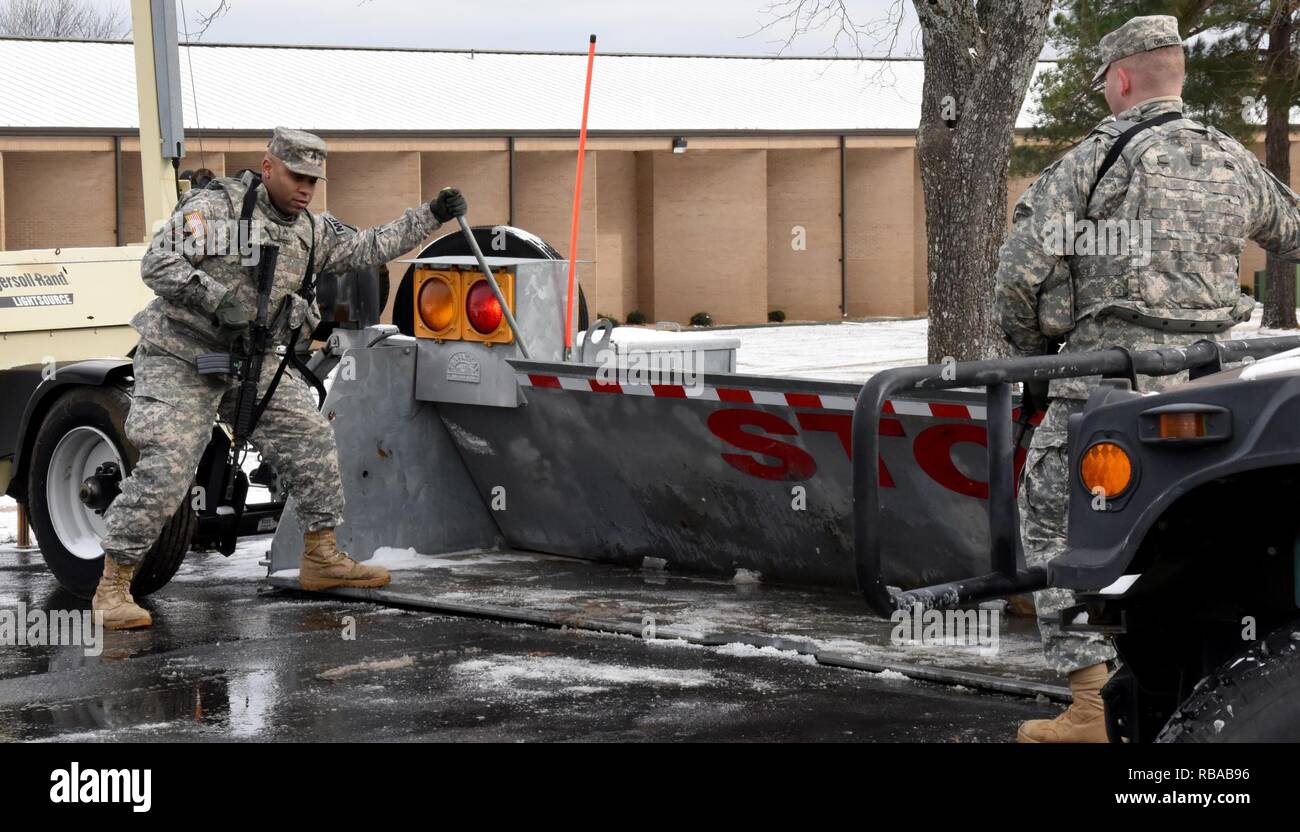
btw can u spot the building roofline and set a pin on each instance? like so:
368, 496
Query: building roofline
133, 132
462, 51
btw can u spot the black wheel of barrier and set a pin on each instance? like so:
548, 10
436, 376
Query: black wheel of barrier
518, 243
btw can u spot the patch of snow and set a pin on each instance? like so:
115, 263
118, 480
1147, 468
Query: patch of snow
366, 667
849, 351
747, 576
391, 558
739, 648
468, 441
583, 690
506, 671
243, 565
8, 521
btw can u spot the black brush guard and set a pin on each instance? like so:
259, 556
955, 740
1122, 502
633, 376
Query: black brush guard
996, 376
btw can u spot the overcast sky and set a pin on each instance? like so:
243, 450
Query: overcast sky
691, 26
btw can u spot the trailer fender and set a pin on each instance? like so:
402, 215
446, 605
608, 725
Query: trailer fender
57, 379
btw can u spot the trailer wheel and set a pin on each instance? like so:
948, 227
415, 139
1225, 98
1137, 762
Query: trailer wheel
1254, 697
82, 430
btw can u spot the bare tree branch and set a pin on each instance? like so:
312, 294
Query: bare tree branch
794, 18
205, 20
62, 19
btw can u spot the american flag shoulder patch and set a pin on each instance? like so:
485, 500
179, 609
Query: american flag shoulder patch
194, 224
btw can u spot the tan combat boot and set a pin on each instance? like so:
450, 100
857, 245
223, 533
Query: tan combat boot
1083, 721
113, 598
323, 566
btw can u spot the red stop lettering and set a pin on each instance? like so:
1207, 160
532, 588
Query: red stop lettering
933, 450
793, 463
841, 424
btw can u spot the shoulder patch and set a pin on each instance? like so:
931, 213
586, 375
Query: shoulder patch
194, 224
337, 225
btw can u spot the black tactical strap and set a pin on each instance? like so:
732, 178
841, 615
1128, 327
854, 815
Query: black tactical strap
1118, 147
307, 291
246, 212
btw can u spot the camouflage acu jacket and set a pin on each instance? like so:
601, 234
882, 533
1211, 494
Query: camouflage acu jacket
1258, 206
196, 258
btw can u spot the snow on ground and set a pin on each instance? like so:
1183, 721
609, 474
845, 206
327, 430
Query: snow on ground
8, 521
849, 351
739, 648
853, 351
513, 673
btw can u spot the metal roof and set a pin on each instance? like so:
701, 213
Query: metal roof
90, 85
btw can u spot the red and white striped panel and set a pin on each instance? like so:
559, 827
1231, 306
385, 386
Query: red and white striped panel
733, 395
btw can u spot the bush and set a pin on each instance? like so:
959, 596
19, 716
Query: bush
701, 319
776, 316
601, 316
635, 317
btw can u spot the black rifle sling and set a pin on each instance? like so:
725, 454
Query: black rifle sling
1112, 156
307, 292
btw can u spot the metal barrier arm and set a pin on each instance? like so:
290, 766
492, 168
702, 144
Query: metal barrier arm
996, 375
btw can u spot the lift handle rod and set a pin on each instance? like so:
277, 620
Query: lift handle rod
492, 282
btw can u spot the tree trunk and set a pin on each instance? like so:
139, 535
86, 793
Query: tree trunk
1280, 69
978, 64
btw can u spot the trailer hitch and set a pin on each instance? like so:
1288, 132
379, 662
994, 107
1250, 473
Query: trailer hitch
99, 490
996, 376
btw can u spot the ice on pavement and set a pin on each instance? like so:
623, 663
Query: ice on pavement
582, 676
739, 648
394, 559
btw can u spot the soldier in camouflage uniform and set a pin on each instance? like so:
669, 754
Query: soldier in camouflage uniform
206, 298
1188, 197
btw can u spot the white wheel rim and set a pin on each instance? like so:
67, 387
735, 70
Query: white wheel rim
80, 451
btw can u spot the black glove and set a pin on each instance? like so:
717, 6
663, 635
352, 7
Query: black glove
231, 315
1034, 398
449, 204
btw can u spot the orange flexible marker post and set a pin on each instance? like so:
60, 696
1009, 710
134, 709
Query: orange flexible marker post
577, 202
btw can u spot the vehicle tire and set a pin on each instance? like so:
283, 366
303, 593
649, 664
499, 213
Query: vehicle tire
83, 429
1255, 697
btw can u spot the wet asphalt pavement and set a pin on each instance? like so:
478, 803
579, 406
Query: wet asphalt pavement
230, 658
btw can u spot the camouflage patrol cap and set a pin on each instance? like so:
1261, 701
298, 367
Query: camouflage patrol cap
1140, 34
300, 151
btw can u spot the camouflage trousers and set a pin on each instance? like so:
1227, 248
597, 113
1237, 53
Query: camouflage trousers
1044, 502
170, 423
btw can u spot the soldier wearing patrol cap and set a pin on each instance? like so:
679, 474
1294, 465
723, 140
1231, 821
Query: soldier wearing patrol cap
1131, 239
206, 299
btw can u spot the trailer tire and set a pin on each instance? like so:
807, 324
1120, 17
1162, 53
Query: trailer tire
84, 426
1254, 697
